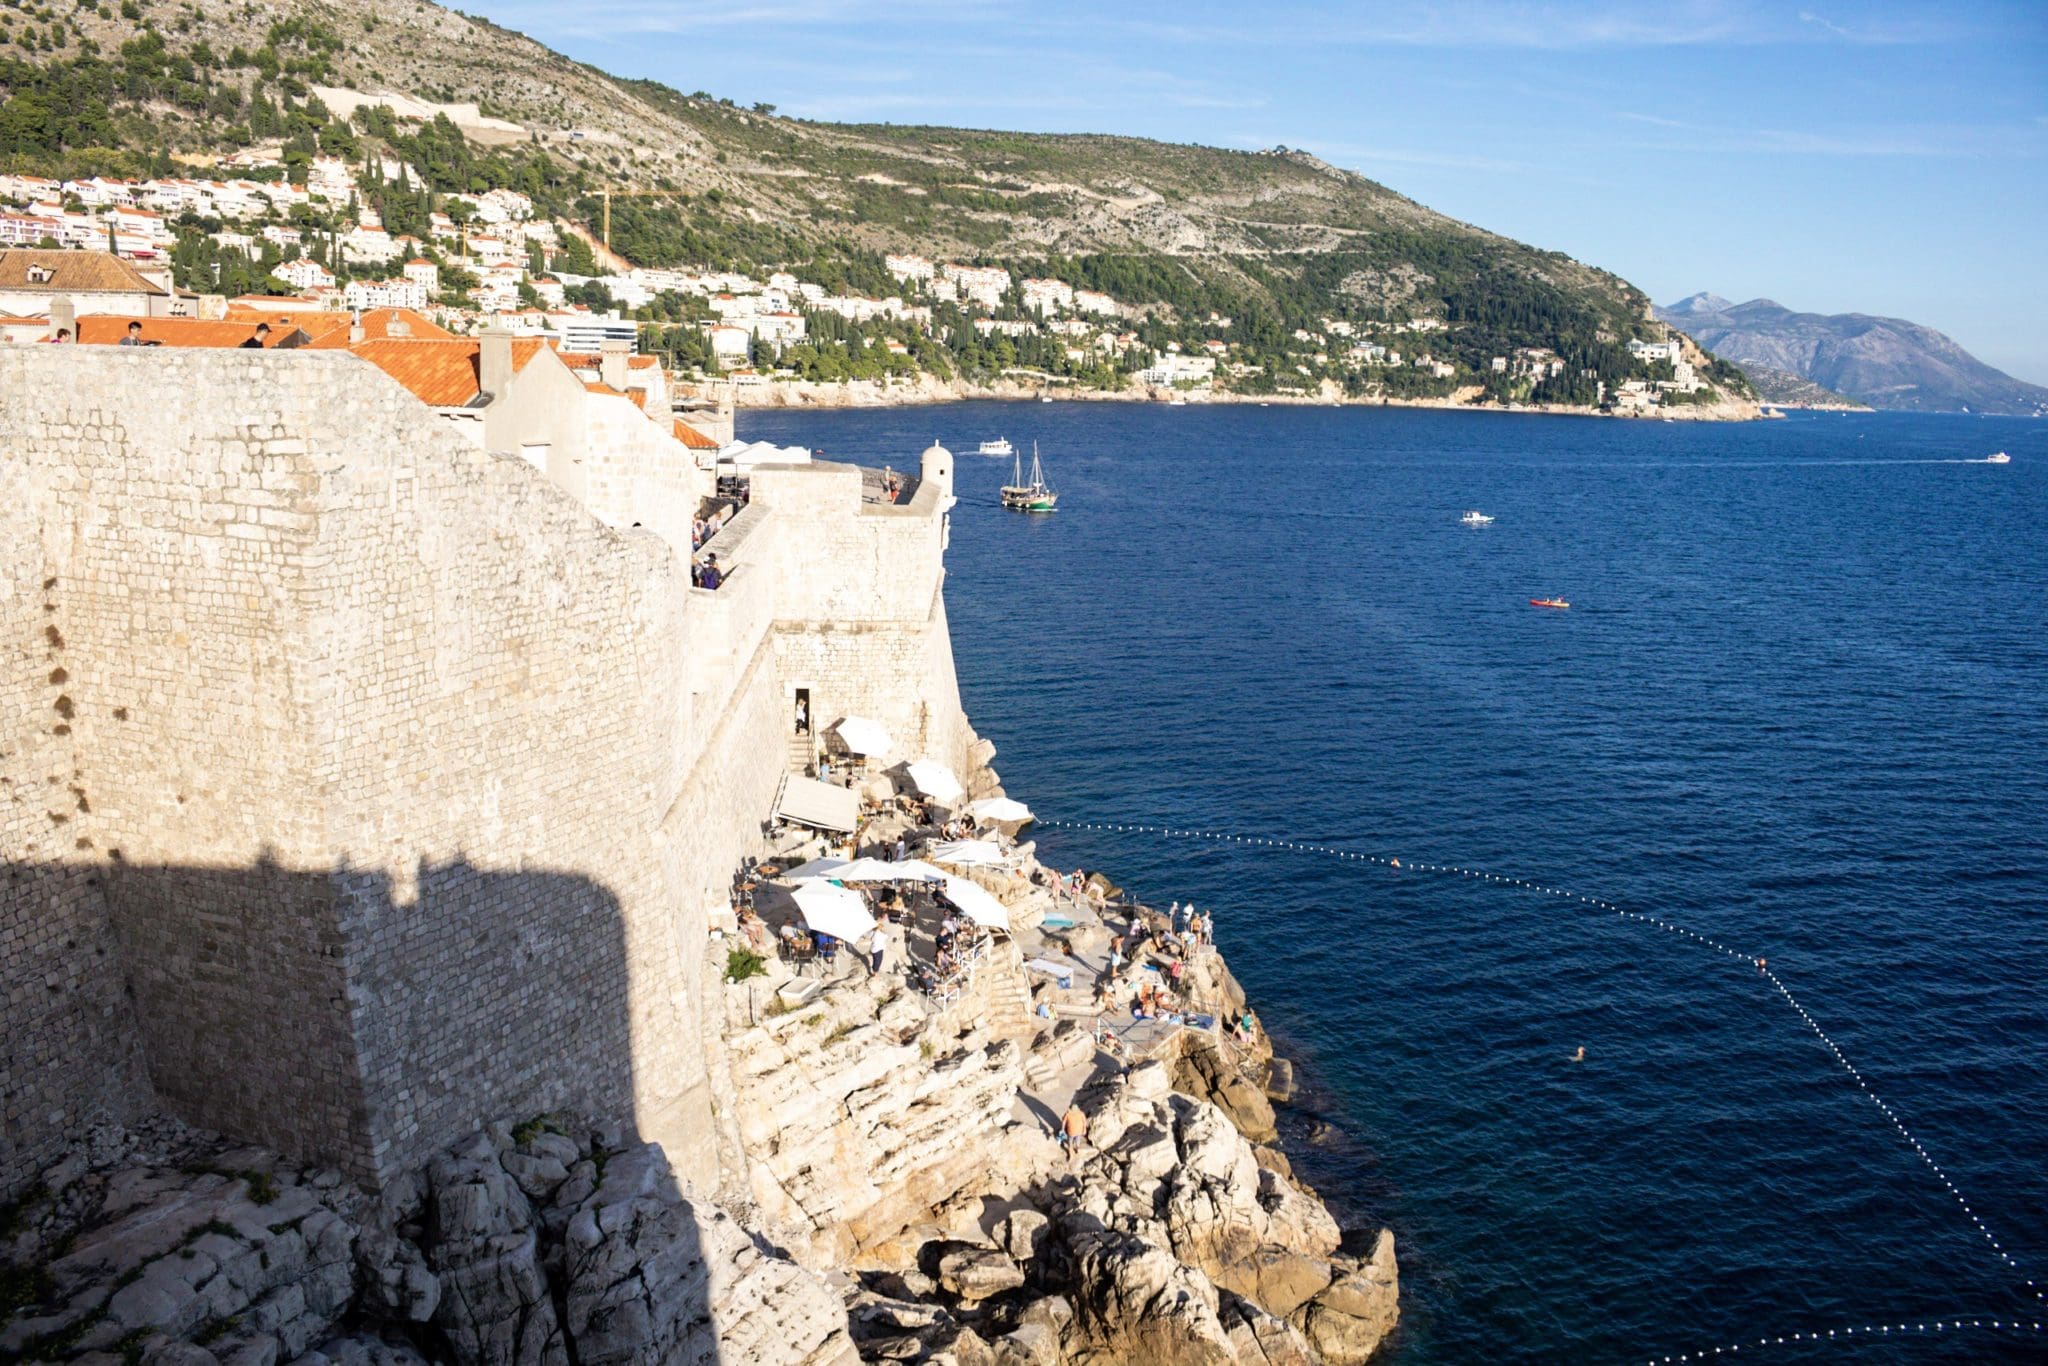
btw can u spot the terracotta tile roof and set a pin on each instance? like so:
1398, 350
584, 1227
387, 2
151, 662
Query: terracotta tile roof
73, 272
584, 360
440, 372
330, 330
636, 397
693, 438
98, 330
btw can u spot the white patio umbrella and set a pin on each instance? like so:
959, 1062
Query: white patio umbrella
978, 904
833, 910
999, 809
817, 868
864, 736
881, 870
935, 780
965, 853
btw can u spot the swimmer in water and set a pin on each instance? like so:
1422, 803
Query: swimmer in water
1580, 1056
1760, 965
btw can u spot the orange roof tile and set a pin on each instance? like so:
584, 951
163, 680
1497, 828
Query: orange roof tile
72, 272
330, 332
439, 371
585, 360
693, 438
105, 330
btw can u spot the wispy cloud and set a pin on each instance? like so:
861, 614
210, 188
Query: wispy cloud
1541, 27
1825, 24
1933, 141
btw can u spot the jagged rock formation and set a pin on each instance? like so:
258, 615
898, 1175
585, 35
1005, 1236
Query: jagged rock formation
534, 1247
853, 1108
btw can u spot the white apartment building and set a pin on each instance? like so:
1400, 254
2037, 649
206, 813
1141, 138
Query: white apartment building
985, 285
395, 293
909, 267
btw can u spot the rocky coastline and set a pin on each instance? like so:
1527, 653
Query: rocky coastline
925, 389
904, 1199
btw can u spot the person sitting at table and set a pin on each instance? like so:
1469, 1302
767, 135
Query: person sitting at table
947, 964
828, 949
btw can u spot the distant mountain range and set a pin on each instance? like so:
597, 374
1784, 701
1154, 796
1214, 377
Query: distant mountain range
1788, 390
1885, 362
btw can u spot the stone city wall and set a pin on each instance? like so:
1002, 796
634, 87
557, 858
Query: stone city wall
389, 785
68, 1047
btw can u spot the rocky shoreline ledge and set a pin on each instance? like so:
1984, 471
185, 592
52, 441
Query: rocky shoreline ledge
926, 389
905, 1199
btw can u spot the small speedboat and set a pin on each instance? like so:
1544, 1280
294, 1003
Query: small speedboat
1000, 446
1476, 519
1559, 603
1998, 458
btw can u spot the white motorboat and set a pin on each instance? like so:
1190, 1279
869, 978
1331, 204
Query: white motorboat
1000, 446
1476, 519
1998, 458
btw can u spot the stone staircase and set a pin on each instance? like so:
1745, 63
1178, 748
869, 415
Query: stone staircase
1063, 1048
799, 753
1001, 978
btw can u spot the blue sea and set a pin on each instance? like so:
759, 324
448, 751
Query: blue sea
1798, 706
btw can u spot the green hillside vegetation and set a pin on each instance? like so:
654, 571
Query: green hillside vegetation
1277, 242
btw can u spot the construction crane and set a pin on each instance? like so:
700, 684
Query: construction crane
605, 196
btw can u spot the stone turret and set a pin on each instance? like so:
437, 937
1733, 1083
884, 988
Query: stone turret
935, 466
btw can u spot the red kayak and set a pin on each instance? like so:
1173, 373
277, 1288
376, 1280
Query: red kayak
1558, 603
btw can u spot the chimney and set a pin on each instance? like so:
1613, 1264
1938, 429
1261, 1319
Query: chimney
611, 363
64, 314
355, 327
494, 362
395, 326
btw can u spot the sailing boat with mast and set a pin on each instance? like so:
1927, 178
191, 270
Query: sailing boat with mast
1019, 496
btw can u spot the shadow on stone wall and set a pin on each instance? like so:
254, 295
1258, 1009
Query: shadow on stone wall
314, 1012
465, 1049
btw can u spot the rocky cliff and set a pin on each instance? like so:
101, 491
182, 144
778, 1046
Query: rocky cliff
902, 1199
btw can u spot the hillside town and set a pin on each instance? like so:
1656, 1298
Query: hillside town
304, 242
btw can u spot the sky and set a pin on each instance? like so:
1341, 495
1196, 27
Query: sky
1837, 157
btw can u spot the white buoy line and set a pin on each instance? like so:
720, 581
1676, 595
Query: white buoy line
1658, 922
1865, 1331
